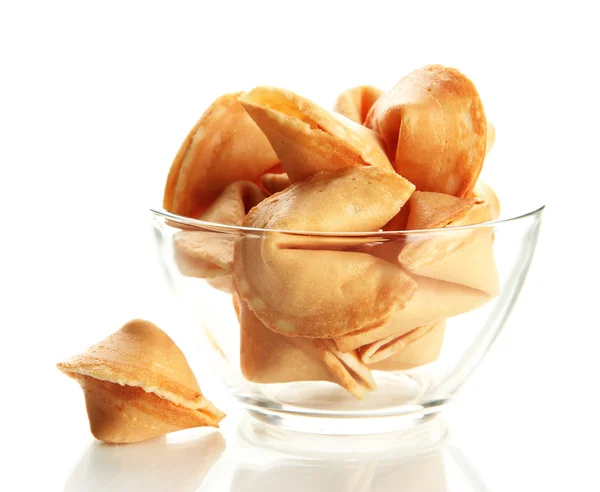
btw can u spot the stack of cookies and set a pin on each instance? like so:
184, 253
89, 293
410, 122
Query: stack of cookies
319, 295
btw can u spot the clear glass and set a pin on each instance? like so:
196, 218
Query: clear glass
246, 467
473, 288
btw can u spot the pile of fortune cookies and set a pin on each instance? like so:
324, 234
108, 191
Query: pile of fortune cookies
327, 306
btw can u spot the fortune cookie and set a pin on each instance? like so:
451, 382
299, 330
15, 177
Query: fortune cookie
434, 128
138, 385
436, 210
300, 285
468, 260
224, 146
416, 348
461, 256
268, 357
209, 254
356, 102
490, 137
274, 183
432, 301
308, 138
234, 202
486, 193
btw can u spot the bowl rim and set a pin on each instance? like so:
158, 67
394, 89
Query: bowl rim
214, 226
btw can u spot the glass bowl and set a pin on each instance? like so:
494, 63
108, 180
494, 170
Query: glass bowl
409, 315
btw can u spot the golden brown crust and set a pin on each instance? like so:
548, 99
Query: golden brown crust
420, 351
351, 199
309, 139
435, 210
274, 183
433, 300
234, 202
223, 283
356, 102
203, 254
209, 254
490, 137
466, 259
224, 146
268, 357
305, 285
463, 256
485, 192
138, 354
130, 371
127, 414
434, 128
394, 344
400, 220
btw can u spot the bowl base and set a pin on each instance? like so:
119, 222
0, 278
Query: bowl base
323, 436
319, 407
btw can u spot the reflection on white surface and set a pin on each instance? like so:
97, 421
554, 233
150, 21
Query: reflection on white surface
422, 473
419, 435
249, 468
179, 463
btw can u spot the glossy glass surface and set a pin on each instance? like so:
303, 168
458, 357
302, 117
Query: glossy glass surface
403, 398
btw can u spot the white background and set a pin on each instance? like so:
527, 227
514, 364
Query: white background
95, 98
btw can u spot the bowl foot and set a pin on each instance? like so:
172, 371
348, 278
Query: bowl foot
348, 438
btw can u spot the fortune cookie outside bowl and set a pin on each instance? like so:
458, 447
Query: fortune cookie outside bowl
138, 385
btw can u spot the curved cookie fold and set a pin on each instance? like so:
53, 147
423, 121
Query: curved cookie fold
300, 285
436, 210
352, 199
356, 102
467, 260
209, 254
274, 183
433, 301
234, 202
434, 128
486, 193
416, 348
138, 385
224, 146
307, 138
462, 256
388, 346
268, 357
490, 137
